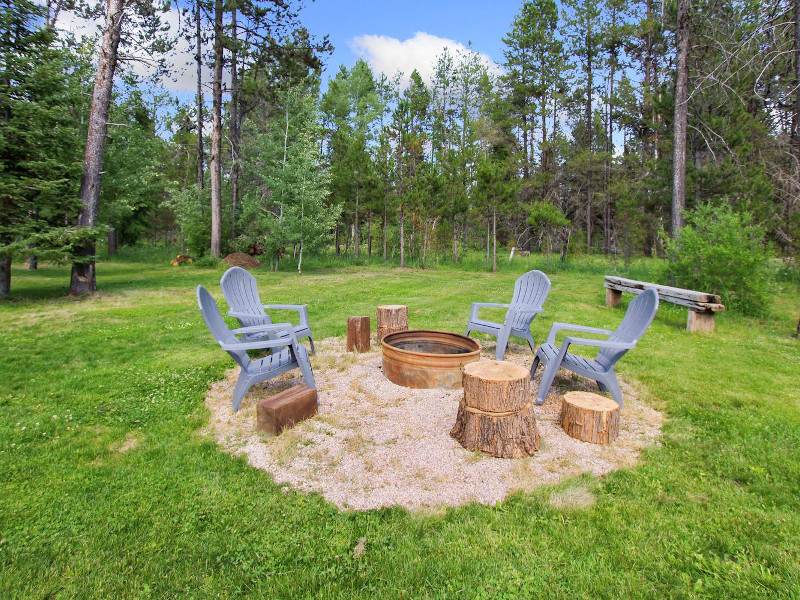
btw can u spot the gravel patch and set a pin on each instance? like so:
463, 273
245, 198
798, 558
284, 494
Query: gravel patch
375, 444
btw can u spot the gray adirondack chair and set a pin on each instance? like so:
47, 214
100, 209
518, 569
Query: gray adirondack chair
287, 352
530, 292
641, 312
241, 293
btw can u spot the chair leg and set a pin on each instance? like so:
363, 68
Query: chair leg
548, 376
308, 373
611, 384
502, 343
311, 340
529, 339
242, 385
535, 365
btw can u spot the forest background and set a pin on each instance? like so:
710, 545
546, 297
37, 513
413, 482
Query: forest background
576, 144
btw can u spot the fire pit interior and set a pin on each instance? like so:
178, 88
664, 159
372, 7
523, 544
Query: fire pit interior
421, 358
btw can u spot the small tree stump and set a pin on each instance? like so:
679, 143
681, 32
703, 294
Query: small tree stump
358, 334
496, 413
391, 318
589, 417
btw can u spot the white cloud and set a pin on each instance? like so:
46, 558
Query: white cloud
389, 55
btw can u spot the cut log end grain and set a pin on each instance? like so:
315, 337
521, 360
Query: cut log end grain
496, 414
590, 417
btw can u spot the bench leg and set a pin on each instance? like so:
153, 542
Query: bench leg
700, 321
613, 297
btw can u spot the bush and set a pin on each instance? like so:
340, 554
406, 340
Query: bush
722, 252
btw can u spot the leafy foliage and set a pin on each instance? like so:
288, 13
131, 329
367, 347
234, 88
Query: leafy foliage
721, 252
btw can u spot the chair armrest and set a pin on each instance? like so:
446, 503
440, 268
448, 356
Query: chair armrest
598, 343
302, 309
476, 306
242, 315
260, 344
556, 327
264, 328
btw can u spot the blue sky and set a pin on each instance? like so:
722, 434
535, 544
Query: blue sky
390, 36
379, 30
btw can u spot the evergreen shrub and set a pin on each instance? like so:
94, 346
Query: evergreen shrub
722, 252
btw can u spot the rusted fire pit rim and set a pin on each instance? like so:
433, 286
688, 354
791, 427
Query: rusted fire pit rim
434, 336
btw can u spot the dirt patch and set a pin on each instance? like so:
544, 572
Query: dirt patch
377, 444
131, 441
240, 259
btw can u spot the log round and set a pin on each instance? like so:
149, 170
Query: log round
496, 413
358, 334
590, 417
391, 318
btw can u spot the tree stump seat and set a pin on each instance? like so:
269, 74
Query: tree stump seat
590, 417
496, 413
391, 318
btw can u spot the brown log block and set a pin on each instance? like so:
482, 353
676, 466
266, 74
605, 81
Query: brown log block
286, 409
358, 334
391, 318
700, 321
496, 413
589, 417
613, 297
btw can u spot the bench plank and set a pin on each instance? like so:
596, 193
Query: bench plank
691, 304
663, 290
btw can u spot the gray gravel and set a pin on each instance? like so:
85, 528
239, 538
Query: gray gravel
376, 444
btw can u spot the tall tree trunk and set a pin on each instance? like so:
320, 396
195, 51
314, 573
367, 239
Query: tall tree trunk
385, 232
525, 168
796, 116
369, 234
216, 137
488, 239
338, 240
589, 192
402, 238
235, 123
455, 240
356, 237
494, 239
609, 153
82, 279
111, 238
5, 275
199, 59
681, 118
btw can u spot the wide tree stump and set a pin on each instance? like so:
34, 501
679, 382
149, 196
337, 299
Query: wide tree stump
358, 334
391, 318
496, 413
589, 417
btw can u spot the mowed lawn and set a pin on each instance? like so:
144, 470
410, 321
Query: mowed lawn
108, 489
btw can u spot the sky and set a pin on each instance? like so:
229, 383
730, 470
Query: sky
408, 34
399, 35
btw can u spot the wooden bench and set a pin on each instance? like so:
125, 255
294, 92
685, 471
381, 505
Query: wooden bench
702, 306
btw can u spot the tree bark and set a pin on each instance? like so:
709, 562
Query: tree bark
111, 238
82, 279
681, 118
494, 239
589, 193
5, 276
402, 238
216, 137
356, 237
199, 59
235, 124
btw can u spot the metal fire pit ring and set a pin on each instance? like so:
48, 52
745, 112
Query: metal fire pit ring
425, 359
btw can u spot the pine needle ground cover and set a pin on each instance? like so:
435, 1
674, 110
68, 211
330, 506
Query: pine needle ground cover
108, 490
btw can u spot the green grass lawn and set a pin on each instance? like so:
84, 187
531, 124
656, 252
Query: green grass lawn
712, 511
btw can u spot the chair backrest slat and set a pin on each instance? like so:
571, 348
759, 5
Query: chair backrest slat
241, 293
216, 325
530, 291
640, 314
